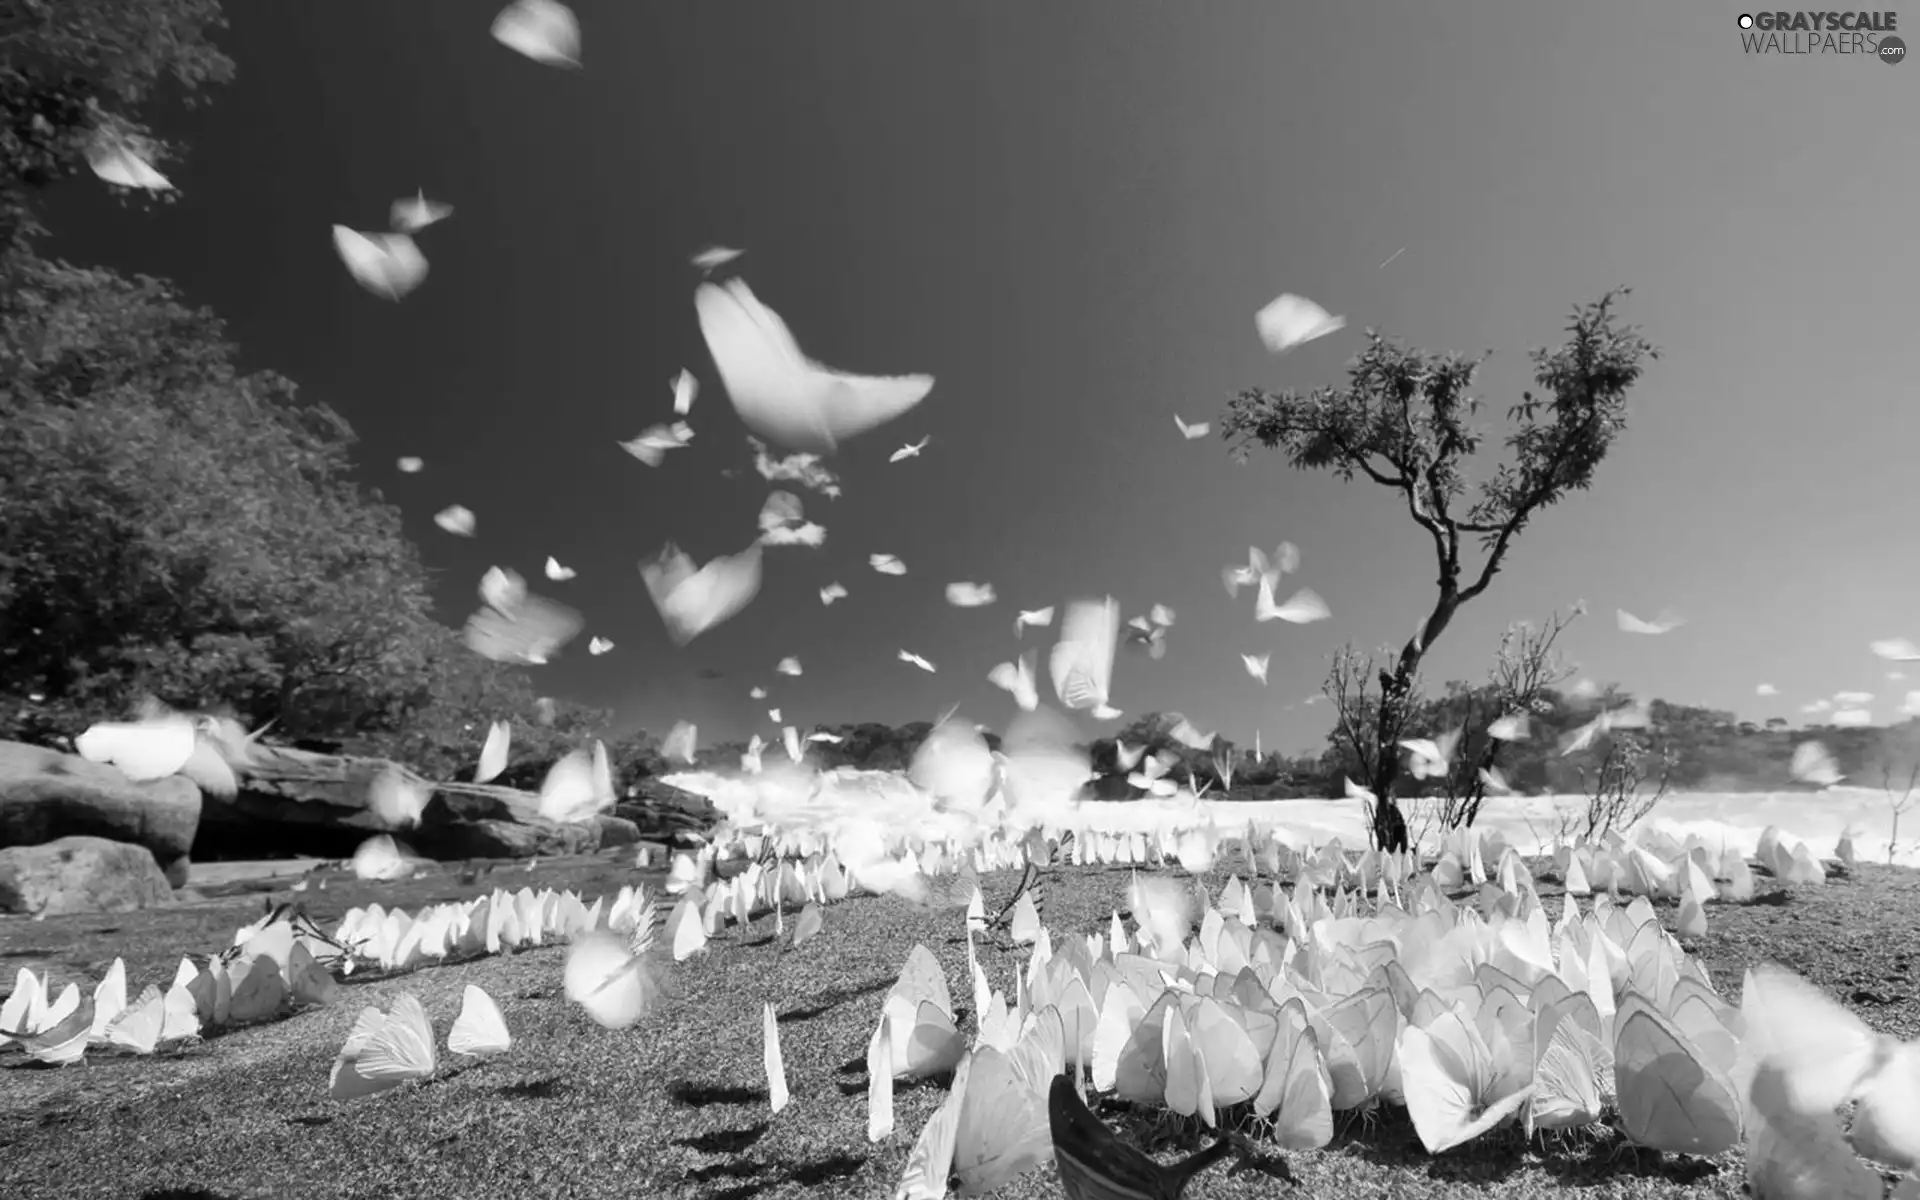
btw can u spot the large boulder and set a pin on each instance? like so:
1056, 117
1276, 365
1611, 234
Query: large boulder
80, 875
664, 813
45, 795
482, 820
299, 801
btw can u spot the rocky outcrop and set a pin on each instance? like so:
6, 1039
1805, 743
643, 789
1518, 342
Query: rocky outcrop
321, 804
80, 875
299, 802
46, 795
664, 813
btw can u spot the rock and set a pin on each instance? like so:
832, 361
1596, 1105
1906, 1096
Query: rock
178, 871
321, 805
489, 838
617, 831
664, 813
46, 795
317, 804
80, 875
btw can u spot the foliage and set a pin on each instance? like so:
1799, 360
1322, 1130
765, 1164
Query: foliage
1616, 791
1402, 420
69, 68
174, 527
1894, 767
1524, 669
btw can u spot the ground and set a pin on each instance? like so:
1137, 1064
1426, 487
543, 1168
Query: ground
677, 1105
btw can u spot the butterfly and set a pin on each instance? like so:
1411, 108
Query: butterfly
384, 1050
545, 31
480, 1030
778, 392
685, 388
386, 264
1293, 321
411, 214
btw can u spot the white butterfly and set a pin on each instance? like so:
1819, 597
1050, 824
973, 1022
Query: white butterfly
776, 1066
114, 161
1188, 735
396, 797
386, 264
1190, 432
908, 656
546, 31
481, 1029
803, 469
780, 393
1303, 607
685, 388
653, 443
832, 592
578, 786
1431, 756
1257, 665
1142, 632
1896, 650
886, 564
1039, 618
758, 693
381, 859
603, 976
783, 523
456, 519
142, 750
692, 601
789, 666
1814, 763
970, 595
411, 214
502, 589
1664, 623
410, 465
597, 646
773, 714
715, 256
1082, 660
493, 752
1018, 679
558, 573
1510, 728
681, 740
831, 739
911, 450
531, 630
385, 1050
1292, 321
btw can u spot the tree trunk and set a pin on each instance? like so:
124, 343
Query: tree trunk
1389, 824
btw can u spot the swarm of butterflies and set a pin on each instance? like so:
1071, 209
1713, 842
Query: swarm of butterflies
1264, 1010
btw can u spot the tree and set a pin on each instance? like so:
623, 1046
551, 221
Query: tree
173, 527
73, 69
1895, 768
1402, 421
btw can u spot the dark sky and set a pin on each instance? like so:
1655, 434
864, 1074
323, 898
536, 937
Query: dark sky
1068, 213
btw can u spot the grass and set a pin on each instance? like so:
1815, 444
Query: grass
677, 1105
